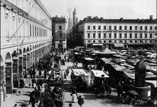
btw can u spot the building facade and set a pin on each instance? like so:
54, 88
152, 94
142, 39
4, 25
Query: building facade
59, 32
26, 36
132, 33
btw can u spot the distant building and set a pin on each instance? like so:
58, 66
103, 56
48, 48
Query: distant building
127, 33
74, 17
59, 32
26, 36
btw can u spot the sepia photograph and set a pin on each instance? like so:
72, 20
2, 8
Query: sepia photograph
78, 53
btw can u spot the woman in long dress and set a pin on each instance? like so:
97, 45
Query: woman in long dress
74, 95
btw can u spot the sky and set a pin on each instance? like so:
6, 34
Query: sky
114, 9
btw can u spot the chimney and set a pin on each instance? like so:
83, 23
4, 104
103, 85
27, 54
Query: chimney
151, 17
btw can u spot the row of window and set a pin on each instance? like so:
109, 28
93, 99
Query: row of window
120, 41
36, 31
125, 35
124, 28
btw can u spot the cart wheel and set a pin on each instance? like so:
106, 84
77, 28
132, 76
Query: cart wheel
123, 99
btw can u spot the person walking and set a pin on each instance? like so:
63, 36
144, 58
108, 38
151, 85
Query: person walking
74, 95
70, 104
80, 101
32, 98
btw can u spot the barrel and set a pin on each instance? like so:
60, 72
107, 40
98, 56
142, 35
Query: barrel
144, 93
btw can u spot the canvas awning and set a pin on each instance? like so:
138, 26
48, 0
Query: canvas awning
89, 59
107, 61
99, 73
78, 72
107, 51
118, 45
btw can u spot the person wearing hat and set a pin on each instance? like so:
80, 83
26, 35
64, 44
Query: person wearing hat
80, 101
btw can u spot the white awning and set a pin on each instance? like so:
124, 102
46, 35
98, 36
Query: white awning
78, 72
118, 45
99, 73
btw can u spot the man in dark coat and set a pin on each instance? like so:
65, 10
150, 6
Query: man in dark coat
80, 101
32, 98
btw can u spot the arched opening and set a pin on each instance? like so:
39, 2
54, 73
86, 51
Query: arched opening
24, 50
1, 70
8, 70
2, 78
27, 49
15, 69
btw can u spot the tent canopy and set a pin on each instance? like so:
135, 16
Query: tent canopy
118, 45
78, 72
99, 73
107, 51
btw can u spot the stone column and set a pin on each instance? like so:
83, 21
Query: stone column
9, 80
15, 72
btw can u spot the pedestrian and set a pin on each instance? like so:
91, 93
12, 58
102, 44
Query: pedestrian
70, 105
32, 98
74, 95
80, 101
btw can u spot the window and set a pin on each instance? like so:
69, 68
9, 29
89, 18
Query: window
30, 30
140, 35
99, 27
135, 27
151, 35
145, 27
135, 35
155, 27
88, 27
150, 27
120, 35
145, 35
60, 34
93, 41
140, 27
115, 35
125, 27
130, 35
104, 35
109, 35
125, 35
99, 41
60, 27
120, 27
141, 41
110, 28
104, 41
104, 27
88, 35
130, 27
115, 27
115, 41
93, 35
99, 35
93, 27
